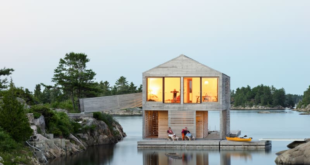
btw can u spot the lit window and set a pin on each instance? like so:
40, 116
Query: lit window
172, 89
154, 89
209, 89
191, 90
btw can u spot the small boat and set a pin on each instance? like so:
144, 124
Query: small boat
239, 139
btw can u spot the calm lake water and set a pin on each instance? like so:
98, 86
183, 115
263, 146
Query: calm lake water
283, 124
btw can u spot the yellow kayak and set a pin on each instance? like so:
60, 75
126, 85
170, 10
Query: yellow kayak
239, 139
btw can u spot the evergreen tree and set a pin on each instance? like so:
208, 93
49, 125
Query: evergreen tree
13, 118
114, 90
46, 96
5, 72
132, 88
122, 85
73, 77
140, 88
289, 100
305, 100
37, 92
105, 88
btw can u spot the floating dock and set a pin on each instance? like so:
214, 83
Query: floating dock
205, 145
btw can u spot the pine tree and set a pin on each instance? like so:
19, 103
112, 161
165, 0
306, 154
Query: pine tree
73, 77
5, 72
37, 92
122, 85
140, 88
132, 88
13, 118
105, 87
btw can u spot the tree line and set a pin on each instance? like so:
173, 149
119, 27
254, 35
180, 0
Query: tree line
305, 100
264, 96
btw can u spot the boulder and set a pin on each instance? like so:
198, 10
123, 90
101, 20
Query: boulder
295, 144
40, 123
297, 155
281, 152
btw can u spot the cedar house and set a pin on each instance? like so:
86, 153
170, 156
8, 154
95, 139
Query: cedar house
180, 93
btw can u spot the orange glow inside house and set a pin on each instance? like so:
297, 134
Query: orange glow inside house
172, 89
209, 89
191, 90
154, 89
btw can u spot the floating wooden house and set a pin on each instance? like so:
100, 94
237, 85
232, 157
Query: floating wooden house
179, 94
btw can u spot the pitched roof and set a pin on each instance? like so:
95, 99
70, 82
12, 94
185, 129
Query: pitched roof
182, 61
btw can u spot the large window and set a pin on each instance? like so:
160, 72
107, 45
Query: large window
155, 89
191, 90
172, 89
209, 89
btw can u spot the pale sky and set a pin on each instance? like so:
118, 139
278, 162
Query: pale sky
254, 42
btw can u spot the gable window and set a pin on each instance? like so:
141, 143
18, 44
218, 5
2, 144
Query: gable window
209, 92
191, 90
172, 89
155, 89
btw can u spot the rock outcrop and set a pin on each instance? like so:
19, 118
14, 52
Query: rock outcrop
1, 160
100, 133
97, 133
297, 155
304, 108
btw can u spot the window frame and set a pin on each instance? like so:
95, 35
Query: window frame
147, 87
216, 91
164, 89
199, 92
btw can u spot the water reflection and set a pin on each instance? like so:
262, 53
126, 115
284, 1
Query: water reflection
183, 157
92, 156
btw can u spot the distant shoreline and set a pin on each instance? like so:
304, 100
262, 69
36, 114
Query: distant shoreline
257, 108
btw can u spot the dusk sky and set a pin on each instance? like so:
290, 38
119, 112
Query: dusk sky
254, 42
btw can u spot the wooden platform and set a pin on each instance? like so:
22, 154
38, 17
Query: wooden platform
205, 145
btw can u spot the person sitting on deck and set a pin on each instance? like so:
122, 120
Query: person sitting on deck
171, 134
186, 133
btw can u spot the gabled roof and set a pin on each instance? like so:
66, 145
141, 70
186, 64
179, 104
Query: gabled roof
182, 61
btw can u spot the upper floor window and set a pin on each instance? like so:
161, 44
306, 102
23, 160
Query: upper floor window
191, 90
209, 89
172, 88
195, 89
155, 89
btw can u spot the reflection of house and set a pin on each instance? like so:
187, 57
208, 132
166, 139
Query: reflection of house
179, 93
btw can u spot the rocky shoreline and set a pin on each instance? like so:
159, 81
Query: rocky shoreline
256, 107
298, 154
95, 132
304, 109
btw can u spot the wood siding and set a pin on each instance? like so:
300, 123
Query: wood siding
162, 124
199, 124
181, 119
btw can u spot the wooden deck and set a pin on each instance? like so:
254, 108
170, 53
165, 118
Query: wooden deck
205, 145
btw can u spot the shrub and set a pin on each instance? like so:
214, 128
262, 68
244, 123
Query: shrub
57, 123
107, 118
6, 142
67, 105
13, 118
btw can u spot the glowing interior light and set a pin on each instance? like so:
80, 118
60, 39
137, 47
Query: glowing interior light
206, 82
154, 90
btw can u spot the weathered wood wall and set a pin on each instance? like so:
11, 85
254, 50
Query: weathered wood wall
181, 119
201, 124
106, 103
162, 124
